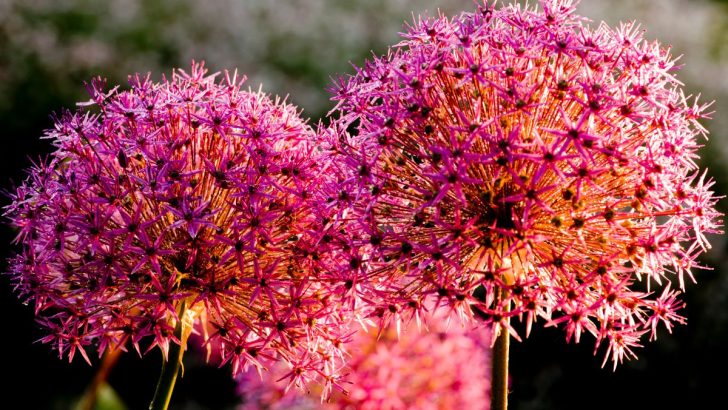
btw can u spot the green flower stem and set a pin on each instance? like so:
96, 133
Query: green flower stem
499, 378
170, 368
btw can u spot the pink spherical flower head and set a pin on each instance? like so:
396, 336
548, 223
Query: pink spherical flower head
183, 200
443, 367
519, 151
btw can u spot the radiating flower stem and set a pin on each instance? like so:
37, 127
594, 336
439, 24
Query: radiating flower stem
499, 378
170, 367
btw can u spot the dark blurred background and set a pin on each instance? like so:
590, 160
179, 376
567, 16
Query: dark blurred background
49, 47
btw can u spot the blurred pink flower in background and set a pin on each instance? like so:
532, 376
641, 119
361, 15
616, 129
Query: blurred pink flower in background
445, 366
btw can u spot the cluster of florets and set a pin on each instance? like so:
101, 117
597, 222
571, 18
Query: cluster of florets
445, 366
183, 200
516, 161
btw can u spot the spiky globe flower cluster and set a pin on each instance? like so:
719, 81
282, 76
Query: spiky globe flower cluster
188, 196
445, 366
518, 161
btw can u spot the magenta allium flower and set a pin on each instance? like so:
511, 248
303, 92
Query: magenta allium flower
191, 195
444, 367
520, 151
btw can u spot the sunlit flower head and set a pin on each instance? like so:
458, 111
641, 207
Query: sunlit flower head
185, 195
519, 161
443, 367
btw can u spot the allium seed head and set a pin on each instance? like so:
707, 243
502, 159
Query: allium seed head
186, 194
523, 154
